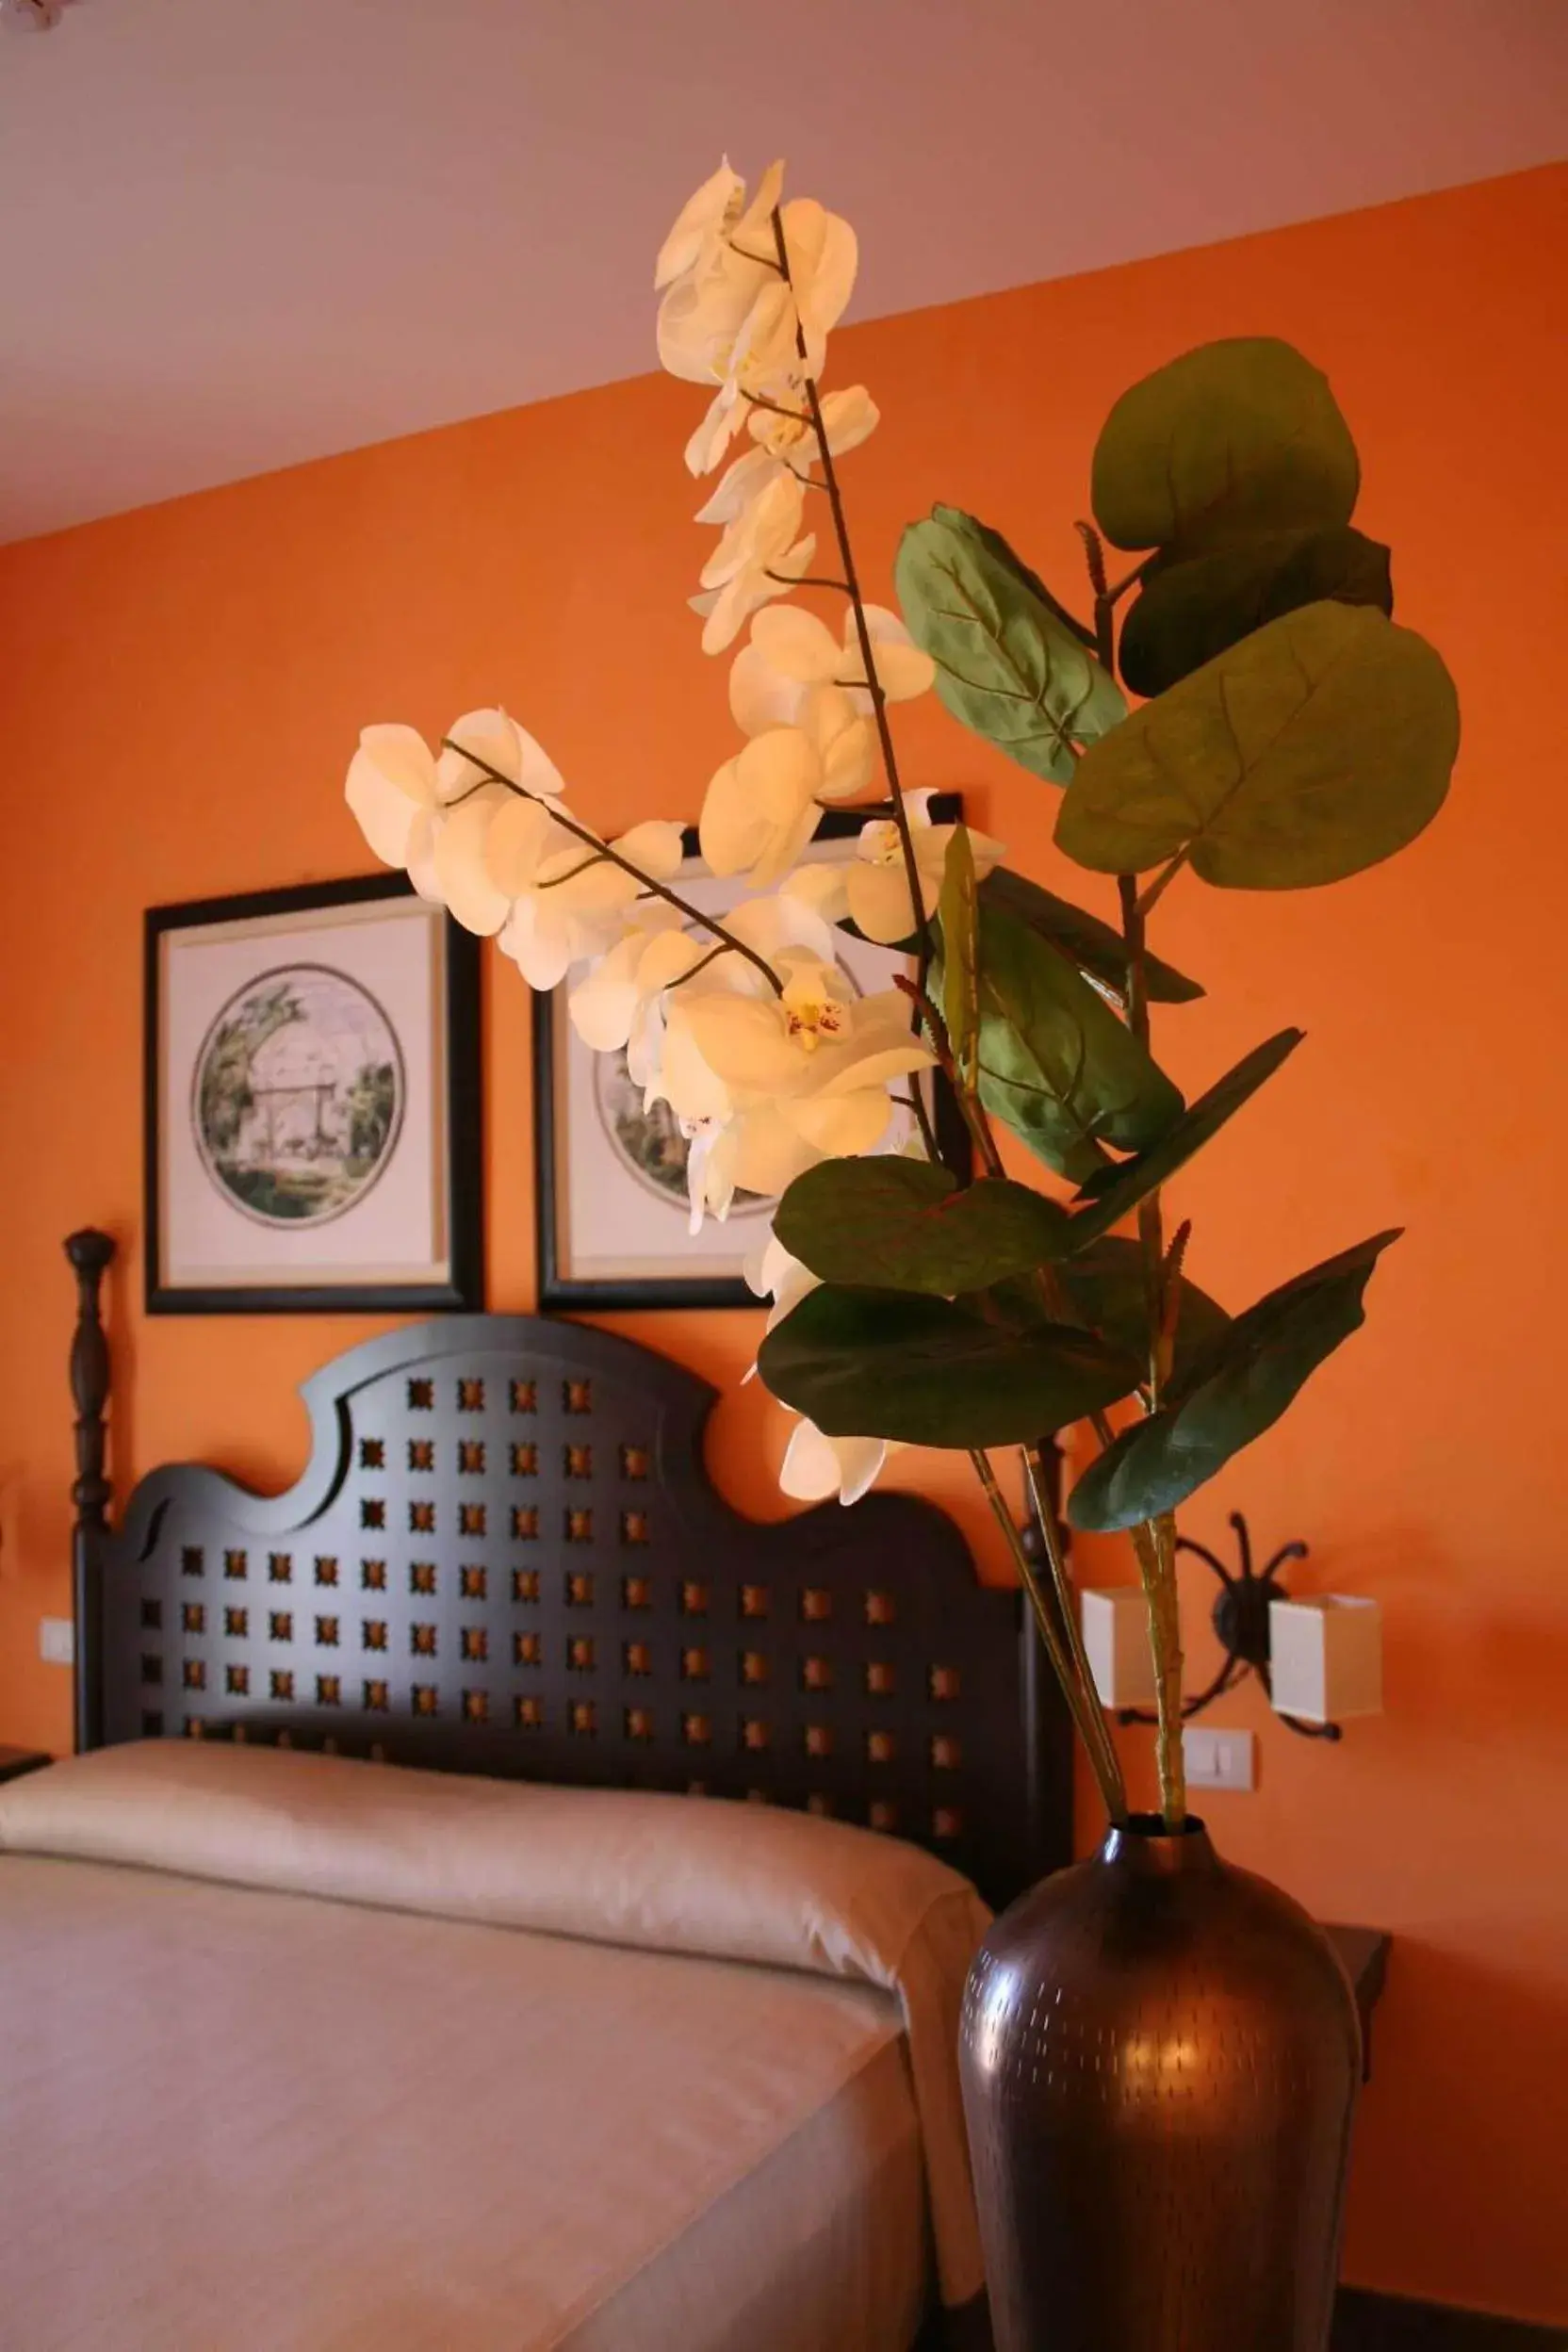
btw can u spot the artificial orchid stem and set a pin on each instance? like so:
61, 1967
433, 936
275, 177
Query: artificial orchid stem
602, 850
1083, 1704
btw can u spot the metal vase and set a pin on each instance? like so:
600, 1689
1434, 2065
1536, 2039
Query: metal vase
1160, 2059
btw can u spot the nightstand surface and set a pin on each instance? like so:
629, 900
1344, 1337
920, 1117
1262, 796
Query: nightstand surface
15, 1761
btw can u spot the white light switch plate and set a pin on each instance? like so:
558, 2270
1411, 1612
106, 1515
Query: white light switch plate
1217, 1760
57, 1641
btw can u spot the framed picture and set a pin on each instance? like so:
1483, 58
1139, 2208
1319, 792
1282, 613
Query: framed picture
611, 1177
312, 1109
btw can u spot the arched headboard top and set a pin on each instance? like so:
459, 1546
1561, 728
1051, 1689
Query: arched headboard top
505, 1556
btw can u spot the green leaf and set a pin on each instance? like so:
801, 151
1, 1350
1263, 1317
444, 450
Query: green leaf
1241, 435
1007, 665
1118, 1192
904, 1225
1105, 1285
1055, 1064
959, 912
1008, 556
883, 1363
1103, 1288
1095, 947
1188, 612
1315, 748
1234, 1392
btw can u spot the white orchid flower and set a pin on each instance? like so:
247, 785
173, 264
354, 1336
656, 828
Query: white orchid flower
876, 881
823, 255
814, 1466
817, 1056
791, 651
609, 1004
566, 899
764, 806
754, 563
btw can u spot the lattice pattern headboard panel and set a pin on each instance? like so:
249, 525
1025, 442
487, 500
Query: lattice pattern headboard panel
505, 1556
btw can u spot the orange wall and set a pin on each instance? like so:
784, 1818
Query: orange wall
181, 689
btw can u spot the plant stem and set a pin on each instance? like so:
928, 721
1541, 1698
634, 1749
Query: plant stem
1109, 1768
874, 686
1083, 1704
603, 849
1156, 1550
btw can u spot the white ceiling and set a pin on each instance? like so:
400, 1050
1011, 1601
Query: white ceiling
242, 233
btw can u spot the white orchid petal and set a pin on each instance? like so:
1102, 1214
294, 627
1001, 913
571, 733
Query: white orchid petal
386, 815
769, 1153
738, 485
879, 902
839, 1126
849, 417
402, 756
744, 1040
701, 217
655, 847
460, 861
796, 644
759, 696
732, 830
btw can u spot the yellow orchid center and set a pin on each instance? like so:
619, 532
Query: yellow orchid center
812, 1014
879, 843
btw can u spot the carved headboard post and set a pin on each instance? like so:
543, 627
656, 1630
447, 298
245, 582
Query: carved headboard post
89, 1252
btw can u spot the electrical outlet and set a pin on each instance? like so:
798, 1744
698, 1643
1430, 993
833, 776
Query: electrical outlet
57, 1641
1217, 1760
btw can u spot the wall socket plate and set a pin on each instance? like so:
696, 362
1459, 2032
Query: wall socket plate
57, 1641
1217, 1760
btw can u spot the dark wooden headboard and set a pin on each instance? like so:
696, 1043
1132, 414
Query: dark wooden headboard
505, 1556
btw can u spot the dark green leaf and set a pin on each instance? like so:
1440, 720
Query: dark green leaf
1095, 947
1234, 1392
1118, 1193
1104, 1289
1188, 612
1241, 435
1055, 1064
1315, 747
902, 1224
884, 1364
1007, 665
959, 912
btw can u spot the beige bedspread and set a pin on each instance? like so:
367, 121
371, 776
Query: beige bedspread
234, 2118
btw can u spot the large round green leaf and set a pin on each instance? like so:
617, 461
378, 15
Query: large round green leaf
1315, 747
1241, 435
886, 1363
1237, 1390
1009, 666
1055, 1064
1114, 1192
1097, 948
1188, 612
904, 1225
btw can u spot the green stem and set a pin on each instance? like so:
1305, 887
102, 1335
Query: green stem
1083, 1704
604, 851
1156, 1550
1109, 1768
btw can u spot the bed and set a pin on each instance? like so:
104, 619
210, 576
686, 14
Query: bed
513, 2044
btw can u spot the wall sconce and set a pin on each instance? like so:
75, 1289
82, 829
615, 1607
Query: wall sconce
1320, 1661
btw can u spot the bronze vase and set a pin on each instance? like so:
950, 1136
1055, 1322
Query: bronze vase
1160, 2059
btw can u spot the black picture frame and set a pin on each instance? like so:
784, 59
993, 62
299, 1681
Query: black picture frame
463, 1289
560, 1293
